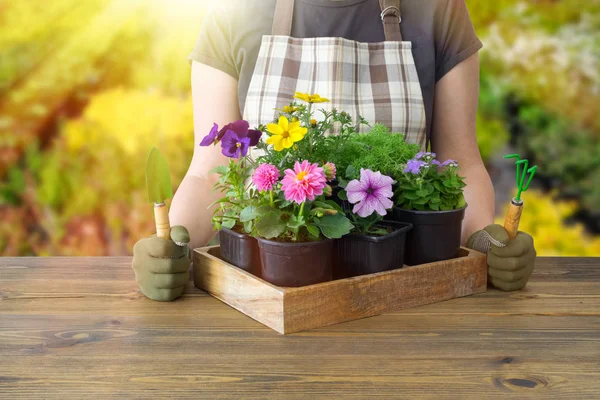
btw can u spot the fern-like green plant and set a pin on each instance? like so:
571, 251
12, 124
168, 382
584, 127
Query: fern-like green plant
377, 150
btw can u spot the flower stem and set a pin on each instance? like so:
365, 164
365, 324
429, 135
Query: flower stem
271, 198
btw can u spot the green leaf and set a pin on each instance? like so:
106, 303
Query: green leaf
334, 226
335, 206
411, 195
295, 222
342, 183
221, 169
313, 230
249, 213
422, 193
228, 223
434, 206
342, 195
248, 226
271, 225
350, 172
439, 186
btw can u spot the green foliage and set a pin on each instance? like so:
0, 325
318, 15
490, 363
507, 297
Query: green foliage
546, 136
432, 188
378, 150
232, 185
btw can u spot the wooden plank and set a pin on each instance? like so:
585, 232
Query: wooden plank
365, 296
67, 333
341, 300
243, 291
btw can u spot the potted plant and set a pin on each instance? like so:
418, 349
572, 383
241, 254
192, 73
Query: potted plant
430, 197
373, 245
296, 229
292, 219
237, 247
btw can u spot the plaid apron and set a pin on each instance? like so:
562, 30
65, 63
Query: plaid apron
377, 81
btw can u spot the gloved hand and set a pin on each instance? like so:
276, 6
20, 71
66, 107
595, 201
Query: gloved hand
509, 267
161, 266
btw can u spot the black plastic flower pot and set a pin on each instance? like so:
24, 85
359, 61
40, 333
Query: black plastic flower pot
358, 254
296, 264
240, 250
435, 235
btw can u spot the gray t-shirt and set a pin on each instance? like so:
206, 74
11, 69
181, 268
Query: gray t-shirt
441, 32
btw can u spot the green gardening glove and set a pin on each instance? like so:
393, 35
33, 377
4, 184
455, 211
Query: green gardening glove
509, 267
161, 265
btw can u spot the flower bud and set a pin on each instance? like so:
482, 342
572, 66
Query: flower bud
327, 191
330, 171
313, 122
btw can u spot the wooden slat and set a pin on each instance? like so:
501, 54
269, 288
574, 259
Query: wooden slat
74, 328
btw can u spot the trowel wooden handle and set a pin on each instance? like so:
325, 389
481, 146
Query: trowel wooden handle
511, 222
161, 219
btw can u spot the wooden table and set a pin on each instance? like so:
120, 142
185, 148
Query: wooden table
79, 328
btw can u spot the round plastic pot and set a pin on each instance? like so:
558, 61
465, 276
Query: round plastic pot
435, 235
296, 264
365, 254
240, 250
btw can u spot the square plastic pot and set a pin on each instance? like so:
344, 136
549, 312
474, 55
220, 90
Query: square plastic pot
435, 235
358, 254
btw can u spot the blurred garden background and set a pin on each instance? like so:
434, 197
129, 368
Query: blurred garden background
87, 87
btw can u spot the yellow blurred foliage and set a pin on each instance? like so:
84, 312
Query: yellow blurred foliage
543, 218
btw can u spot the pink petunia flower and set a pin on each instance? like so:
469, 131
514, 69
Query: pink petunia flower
305, 181
371, 193
265, 177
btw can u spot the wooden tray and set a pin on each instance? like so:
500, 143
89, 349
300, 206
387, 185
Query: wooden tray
289, 310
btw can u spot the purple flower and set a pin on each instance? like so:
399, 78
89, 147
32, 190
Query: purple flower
451, 163
234, 146
414, 166
436, 162
371, 193
426, 155
211, 138
239, 127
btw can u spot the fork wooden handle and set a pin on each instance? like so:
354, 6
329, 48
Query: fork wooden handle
511, 222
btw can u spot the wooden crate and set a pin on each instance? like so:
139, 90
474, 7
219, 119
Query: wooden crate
289, 310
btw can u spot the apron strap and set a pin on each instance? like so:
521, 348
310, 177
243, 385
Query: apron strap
390, 16
282, 21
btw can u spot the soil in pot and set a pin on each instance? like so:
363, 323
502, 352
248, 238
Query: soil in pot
358, 254
294, 264
240, 250
435, 235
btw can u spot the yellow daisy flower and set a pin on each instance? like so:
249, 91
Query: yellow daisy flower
285, 133
311, 98
288, 109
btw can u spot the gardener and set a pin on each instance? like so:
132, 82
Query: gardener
418, 74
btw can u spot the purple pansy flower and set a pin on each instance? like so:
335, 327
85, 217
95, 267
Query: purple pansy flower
372, 193
414, 166
234, 146
239, 127
211, 138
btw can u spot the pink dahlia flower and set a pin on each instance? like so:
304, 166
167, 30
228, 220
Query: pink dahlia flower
371, 193
265, 177
305, 181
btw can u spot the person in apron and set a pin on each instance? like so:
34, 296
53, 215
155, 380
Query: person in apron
426, 88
